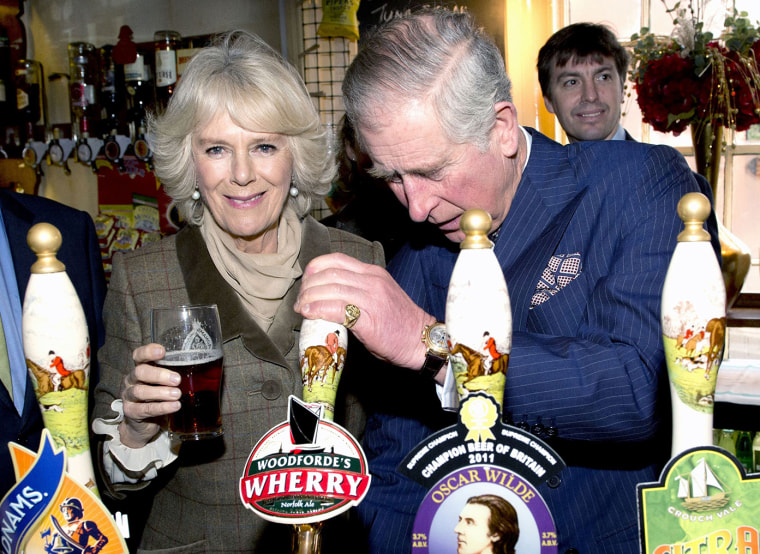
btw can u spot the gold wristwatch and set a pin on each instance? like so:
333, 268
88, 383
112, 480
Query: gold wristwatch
435, 339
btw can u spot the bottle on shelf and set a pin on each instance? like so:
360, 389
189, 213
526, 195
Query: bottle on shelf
30, 100
727, 441
139, 89
7, 95
112, 102
744, 449
83, 86
166, 45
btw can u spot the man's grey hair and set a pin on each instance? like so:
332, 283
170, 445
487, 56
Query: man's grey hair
431, 54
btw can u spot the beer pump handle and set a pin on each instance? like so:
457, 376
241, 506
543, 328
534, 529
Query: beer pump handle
478, 313
693, 318
57, 351
322, 354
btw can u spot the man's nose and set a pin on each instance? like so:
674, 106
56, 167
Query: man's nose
589, 91
418, 197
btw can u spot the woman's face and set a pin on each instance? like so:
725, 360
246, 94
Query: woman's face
244, 179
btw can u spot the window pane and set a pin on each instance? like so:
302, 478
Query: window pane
623, 16
751, 136
745, 211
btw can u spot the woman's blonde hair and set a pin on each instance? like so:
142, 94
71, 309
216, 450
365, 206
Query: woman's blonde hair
242, 75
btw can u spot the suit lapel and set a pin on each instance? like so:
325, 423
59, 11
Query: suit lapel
18, 220
206, 286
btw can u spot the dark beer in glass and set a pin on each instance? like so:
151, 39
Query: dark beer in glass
200, 415
192, 338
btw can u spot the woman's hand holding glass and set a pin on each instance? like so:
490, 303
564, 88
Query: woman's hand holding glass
149, 393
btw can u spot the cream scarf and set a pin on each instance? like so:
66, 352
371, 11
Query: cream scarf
261, 280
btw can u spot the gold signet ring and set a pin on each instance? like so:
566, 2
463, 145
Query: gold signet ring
352, 316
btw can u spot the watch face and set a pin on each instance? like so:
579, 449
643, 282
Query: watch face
438, 336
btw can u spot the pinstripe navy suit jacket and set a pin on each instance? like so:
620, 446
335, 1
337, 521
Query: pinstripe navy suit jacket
589, 359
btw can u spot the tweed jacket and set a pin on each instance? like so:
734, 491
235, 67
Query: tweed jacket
196, 505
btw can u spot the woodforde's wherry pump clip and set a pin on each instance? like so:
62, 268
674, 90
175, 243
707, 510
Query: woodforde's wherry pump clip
308, 469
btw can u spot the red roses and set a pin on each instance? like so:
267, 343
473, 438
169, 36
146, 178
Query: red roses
715, 81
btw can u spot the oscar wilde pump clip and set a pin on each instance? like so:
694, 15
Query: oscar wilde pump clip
480, 465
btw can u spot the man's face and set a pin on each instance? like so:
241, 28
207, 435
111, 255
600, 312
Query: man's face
586, 97
437, 180
473, 536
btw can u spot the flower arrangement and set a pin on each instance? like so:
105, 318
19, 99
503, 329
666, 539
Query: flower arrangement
693, 78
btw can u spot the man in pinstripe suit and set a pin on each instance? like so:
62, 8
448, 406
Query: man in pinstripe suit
584, 235
582, 70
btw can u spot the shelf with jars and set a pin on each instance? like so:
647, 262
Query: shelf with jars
111, 90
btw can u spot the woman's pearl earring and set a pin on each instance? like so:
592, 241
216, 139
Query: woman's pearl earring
293, 191
196, 195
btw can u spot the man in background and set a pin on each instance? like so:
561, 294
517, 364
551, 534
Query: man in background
19, 411
582, 70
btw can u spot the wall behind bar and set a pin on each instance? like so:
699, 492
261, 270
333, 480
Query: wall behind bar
52, 24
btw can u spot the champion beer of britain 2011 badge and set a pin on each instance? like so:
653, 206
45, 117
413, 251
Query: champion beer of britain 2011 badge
304, 470
483, 474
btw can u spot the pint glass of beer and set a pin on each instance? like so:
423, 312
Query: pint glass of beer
192, 337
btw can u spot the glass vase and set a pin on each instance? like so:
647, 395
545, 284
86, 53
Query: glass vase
707, 137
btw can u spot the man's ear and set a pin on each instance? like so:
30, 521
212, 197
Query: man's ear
548, 104
506, 128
